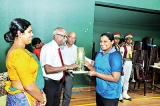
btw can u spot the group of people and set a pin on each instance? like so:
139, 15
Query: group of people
126, 49
69, 55
36, 79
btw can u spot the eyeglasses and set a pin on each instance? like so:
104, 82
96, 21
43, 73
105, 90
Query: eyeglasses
64, 36
70, 37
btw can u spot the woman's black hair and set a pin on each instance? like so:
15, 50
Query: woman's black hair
109, 35
36, 41
16, 25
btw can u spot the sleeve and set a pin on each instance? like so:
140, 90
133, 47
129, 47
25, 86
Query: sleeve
46, 56
122, 51
88, 59
115, 62
21, 64
74, 55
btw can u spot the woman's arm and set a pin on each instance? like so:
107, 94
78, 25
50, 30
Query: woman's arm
35, 92
24, 64
114, 76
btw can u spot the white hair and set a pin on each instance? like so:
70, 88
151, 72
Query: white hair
57, 30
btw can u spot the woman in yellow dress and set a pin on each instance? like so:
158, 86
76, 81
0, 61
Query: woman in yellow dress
26, 83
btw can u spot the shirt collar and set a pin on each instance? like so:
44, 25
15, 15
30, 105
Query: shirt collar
110, 51
55, 44
127, 44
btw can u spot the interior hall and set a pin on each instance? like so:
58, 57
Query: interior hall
89, 19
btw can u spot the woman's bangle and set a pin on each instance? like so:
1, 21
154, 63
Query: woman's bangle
43, 104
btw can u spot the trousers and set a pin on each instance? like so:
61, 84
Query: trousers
53, 92
68, 84
127, 68
100, 101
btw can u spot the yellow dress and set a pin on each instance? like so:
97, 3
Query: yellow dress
22, 67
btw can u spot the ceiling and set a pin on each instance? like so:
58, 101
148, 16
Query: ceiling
126, 16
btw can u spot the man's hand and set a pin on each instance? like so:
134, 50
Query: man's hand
72, 66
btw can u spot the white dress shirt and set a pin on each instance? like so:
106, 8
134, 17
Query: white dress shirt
69, 54
49, 55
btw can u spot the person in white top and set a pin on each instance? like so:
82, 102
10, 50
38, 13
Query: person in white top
126, 51
117, 37
69, 54
53, 67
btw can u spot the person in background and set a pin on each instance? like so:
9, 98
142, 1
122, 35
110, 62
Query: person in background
69, 54
149, 41
117, 37
117, 47
53, 67
38, 44
26, 80
107, 70
126, 51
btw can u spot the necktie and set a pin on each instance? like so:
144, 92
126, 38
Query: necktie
60, 55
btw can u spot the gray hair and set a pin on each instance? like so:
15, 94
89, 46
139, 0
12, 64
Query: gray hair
57, 30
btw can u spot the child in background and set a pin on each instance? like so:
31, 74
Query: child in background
37, 43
